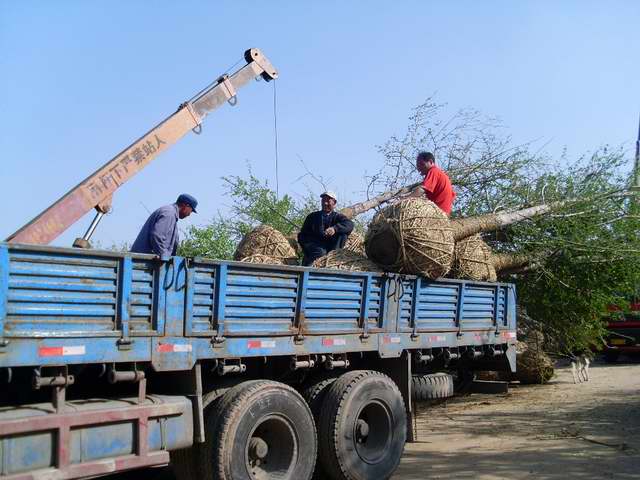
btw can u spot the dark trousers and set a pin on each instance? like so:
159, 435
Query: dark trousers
319, 248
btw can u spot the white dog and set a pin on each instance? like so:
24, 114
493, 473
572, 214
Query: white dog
580, 368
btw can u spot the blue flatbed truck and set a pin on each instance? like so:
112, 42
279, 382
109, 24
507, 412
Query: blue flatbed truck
115, 361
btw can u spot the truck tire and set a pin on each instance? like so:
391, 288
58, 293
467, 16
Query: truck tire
314, 393
186, 463
363, 427
433, 386
260, 429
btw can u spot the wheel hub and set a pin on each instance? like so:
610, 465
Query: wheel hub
362, 429
258, 448
272, 449
372, 432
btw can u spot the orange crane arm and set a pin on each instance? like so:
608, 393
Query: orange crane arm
96, 190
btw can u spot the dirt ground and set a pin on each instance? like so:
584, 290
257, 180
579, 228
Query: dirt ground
560, 430
557, 431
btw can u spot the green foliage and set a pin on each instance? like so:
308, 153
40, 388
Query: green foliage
215, 240
587, 252
584, 255
255, 203
252, 203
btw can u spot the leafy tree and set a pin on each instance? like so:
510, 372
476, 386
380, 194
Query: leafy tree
475, 150
253, 203
585, 254
215, 240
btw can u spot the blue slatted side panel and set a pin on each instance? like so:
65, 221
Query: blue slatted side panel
141, 311
406, 303
478, 307
60, 294
437, 305
502, 307
333, 303
259, 301
203, 299
376, 305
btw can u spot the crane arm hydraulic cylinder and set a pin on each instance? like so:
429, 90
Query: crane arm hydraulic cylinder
96, 190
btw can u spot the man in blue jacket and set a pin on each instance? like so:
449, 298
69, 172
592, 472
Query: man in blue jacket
159, 234
324, 230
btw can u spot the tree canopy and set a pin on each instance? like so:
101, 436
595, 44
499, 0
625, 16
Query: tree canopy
584, 255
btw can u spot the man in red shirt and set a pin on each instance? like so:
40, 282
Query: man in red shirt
436, 184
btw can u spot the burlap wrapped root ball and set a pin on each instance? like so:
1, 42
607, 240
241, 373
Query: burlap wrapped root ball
472, 260
267, 260
264, 240
355, 243
533, 365
342, 259
412, 236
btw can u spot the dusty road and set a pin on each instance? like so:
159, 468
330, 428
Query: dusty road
557, 431
561, 430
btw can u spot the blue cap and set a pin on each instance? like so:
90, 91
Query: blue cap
189, 200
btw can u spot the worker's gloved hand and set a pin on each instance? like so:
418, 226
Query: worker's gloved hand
330, 232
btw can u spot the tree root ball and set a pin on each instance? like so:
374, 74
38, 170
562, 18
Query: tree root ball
355, 243
267, 260
472, 260
533, 365
412, 236
264, 240
342, 259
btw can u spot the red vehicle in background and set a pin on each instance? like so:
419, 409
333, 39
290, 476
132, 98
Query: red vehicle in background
624, 325
623, 331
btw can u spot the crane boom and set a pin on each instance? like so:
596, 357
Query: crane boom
96, 190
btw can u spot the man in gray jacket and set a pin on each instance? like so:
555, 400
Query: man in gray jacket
159, 234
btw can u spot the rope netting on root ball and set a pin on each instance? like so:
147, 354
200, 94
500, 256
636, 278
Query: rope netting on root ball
342, 259
264, 240
533, 365
355, 243
473, 260
268, 260
412, 236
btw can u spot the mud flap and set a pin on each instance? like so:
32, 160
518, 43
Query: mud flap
511, 357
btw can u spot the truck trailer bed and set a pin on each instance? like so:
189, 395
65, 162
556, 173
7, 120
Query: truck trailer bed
111, 361
77, 307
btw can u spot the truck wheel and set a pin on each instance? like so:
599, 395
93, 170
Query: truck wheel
363, 427
433, 386
314, 393
187, 463
260, 430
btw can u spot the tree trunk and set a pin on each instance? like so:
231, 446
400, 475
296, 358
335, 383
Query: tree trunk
361, 207
465, 227
509, 261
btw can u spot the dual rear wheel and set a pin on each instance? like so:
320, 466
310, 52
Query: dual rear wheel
265, 430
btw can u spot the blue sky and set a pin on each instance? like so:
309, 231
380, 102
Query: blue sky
81, 80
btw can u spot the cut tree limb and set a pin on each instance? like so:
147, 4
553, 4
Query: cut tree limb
465, 227
361, 207
509, 261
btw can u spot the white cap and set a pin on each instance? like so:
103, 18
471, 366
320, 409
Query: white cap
330, 194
